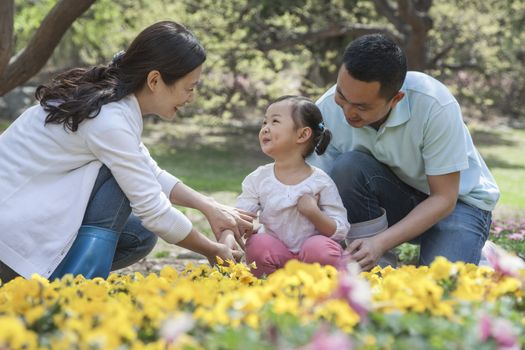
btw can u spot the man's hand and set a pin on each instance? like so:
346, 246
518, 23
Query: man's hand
366, 251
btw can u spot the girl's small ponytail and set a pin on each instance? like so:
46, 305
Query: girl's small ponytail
324, 139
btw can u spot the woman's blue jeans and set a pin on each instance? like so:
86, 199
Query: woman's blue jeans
366, 185
109, 208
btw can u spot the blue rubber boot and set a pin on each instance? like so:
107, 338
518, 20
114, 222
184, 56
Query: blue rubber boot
91, 254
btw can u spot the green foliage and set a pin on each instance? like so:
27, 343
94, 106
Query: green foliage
408, 254
484, 62
479, 53
162, 254
28, 17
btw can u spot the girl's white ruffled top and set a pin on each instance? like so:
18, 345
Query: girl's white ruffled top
277, 205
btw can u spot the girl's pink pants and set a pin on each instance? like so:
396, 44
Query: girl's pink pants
270, 254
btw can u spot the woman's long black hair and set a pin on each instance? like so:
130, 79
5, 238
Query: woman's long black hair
80, 93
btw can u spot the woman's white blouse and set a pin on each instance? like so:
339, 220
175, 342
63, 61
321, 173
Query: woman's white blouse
277, 205
47, 174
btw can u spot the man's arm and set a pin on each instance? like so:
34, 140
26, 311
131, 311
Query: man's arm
440, 203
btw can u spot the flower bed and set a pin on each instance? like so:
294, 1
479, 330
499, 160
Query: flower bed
444, 306
510, 234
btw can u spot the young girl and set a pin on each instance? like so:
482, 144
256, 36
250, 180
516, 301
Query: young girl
73, 167
300, 210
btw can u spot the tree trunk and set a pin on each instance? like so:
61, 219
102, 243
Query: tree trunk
35, 55
7, 9
411, 20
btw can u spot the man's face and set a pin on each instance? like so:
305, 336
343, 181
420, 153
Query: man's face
361, 101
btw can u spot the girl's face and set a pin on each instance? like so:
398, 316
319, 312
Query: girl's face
279, 135
166, 100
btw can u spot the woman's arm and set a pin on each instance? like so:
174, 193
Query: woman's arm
201, 244
221, 217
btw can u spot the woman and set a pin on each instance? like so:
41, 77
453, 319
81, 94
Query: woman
79, 192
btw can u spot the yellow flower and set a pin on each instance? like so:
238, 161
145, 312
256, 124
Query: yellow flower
441, 268
14, 335
219, 260
339, 312
169, 273
34, 314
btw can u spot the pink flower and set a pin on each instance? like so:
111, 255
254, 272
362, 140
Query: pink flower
322, 340
499, 329
354, 289
497, 230
504, 334
502, 261
517, 236
484, 327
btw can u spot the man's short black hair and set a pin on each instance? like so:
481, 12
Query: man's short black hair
376, 57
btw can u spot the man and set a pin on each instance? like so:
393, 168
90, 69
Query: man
399, 145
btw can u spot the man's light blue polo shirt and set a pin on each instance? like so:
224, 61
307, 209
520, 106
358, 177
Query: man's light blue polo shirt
424, 135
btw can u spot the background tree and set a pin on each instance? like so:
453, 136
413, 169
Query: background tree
259, 49
39, 48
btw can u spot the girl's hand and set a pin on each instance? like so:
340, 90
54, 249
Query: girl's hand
228, 239
223, 217
308, 204
225, 253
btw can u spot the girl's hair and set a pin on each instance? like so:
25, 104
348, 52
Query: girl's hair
80, 93
306, 114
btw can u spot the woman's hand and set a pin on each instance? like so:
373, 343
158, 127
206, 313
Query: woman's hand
366, 251
223, 217
201, 244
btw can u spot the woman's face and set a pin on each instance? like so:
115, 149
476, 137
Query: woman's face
166, 100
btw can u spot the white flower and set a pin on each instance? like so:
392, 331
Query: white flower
174, 327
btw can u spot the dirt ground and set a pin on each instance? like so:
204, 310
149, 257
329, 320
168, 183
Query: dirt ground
178, 258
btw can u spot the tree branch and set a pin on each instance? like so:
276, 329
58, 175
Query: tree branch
46, 38
419, 21
332, 32
462, 66
385, 9
7, 8
423, 5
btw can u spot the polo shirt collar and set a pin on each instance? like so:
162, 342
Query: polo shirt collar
400, 114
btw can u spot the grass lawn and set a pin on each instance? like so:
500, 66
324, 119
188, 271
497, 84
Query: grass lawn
504, 152
209, 159
217, 159
3, 125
